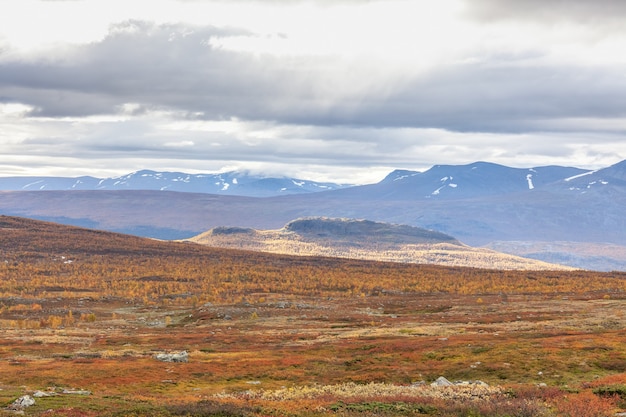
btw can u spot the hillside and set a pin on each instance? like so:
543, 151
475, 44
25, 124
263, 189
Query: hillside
363, 239
96, 323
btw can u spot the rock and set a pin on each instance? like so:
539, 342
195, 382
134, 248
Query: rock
173, 357
41, 394
441, 382
22, 402
76, 392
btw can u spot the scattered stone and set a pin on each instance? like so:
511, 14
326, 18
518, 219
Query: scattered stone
41, 394
22, 402
173, 357
441, 382
76, 392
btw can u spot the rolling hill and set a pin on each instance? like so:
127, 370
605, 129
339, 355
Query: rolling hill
99, 323
363, 239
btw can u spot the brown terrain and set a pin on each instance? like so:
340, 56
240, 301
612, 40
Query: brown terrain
95, 323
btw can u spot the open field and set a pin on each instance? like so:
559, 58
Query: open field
84, 314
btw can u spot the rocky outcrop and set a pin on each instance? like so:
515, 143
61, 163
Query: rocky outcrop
441, 382
173, 357
21, 403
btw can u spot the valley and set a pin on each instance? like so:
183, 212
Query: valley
85, 314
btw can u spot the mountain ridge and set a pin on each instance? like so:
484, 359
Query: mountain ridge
441, 181
240, 183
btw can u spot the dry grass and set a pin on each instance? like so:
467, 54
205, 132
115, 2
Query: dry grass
449, 254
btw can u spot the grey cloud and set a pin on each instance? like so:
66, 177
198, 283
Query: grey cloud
487, 98
507, 99
597, 12
173, 67
169, 65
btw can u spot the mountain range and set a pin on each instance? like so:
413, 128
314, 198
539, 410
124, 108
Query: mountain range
479, 204
226, 183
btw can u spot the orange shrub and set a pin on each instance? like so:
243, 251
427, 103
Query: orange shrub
585, 404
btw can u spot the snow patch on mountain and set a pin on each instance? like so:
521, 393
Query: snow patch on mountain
580, 175
436, 192
31, 184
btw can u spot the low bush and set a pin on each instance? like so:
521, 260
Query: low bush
383, 408
211, 408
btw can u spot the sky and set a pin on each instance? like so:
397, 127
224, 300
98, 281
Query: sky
330, 90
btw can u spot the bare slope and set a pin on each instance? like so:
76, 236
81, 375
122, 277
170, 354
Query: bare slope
363, 239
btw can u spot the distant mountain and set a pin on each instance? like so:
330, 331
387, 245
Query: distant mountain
479, 179
478, 204
597, 181
227, 183
364, 239
482, 179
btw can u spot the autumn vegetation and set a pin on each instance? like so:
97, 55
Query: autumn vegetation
277, 335
362, 239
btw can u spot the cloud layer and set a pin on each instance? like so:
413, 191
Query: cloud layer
367, 91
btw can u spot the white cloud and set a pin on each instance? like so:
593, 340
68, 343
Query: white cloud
349, 88
180, 144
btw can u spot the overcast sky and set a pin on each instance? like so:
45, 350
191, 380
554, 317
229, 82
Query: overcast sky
341, 90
